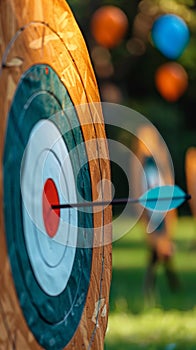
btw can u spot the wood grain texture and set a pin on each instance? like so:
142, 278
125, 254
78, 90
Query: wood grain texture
32, 32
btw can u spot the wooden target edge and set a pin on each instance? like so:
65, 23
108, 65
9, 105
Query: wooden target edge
86, 82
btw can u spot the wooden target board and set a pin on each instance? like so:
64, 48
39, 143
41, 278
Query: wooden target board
53, 295
190, 170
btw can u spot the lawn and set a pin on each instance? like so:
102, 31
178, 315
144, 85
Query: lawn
169, 321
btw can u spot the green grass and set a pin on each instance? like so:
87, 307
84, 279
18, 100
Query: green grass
169, 322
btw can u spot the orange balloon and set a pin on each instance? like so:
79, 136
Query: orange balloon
171, 81
109, 25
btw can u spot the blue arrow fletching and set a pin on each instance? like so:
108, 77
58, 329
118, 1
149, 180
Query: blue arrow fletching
163, 198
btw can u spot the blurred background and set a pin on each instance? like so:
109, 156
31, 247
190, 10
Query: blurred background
126, 66
136, 67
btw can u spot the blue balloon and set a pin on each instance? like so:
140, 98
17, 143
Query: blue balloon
170, 35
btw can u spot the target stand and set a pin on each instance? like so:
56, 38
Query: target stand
55, 265
190, 170
154, 170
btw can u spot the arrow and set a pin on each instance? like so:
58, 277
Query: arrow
161, 198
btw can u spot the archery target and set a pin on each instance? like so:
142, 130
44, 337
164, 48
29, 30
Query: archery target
53, 269
151, 178
155, 171
50, 284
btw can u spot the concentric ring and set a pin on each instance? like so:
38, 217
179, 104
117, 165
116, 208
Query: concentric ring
49, 282
45, 155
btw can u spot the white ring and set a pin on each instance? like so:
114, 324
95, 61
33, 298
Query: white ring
46, 156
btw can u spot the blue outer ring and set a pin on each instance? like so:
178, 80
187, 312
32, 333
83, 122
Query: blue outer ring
53, 320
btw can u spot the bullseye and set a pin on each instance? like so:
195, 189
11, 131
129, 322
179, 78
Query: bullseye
51, 216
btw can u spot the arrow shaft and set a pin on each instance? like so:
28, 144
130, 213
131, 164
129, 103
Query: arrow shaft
117, 201
92, 204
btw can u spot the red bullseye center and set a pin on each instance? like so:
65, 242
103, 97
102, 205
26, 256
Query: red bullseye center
51, 216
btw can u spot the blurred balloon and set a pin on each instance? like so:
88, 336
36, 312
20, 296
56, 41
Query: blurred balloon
111, 93
170, 35
101, 58
109, 25
171, 81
